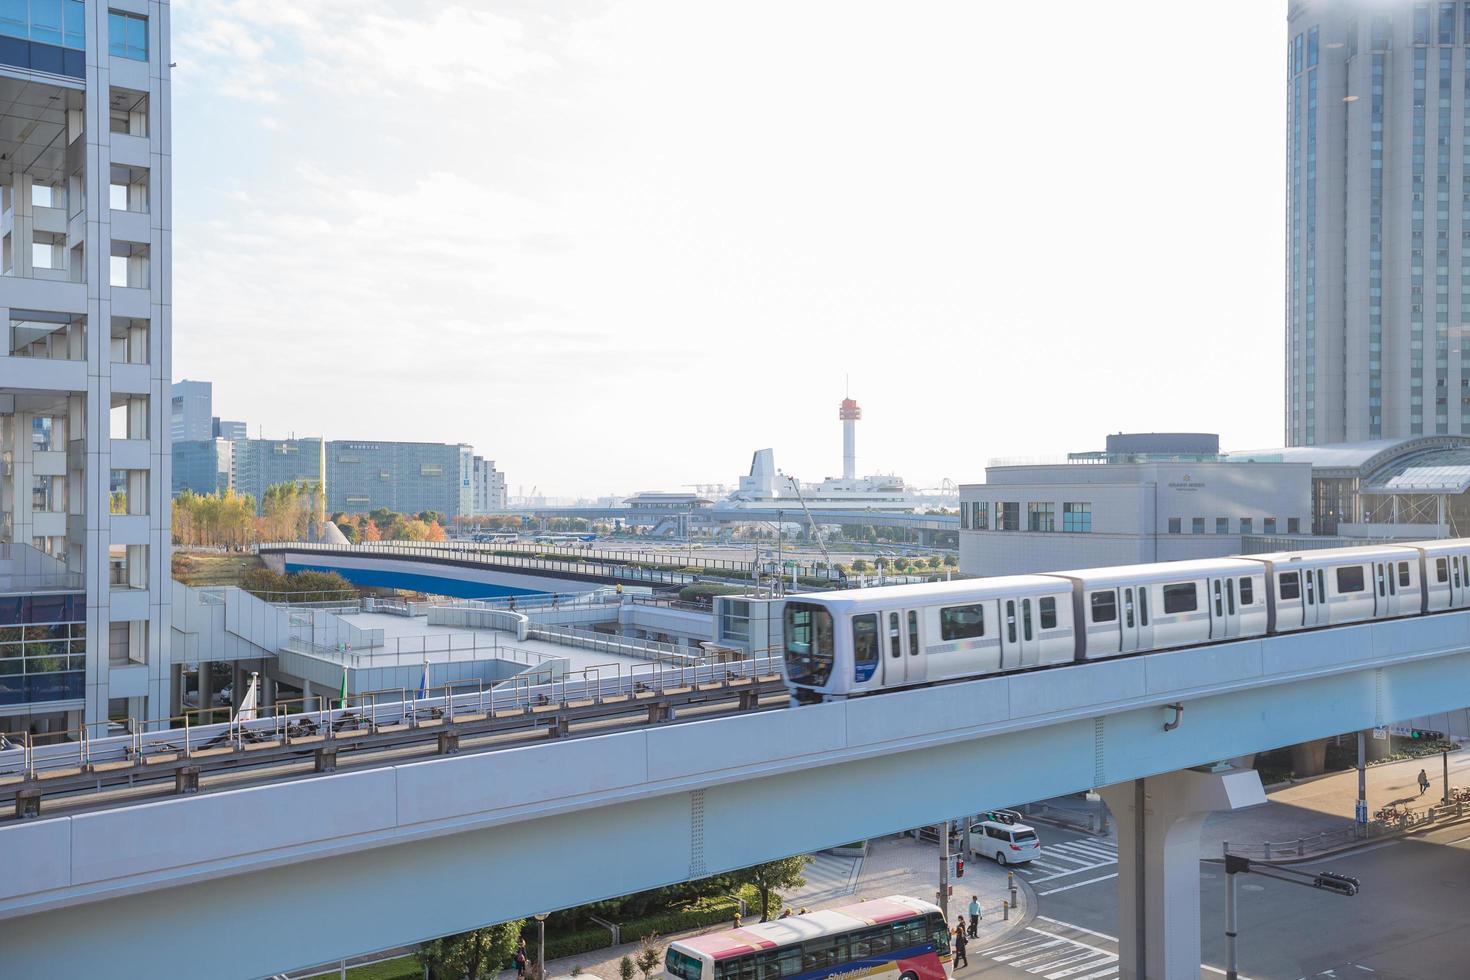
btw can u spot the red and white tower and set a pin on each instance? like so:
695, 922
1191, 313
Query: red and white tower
849, 413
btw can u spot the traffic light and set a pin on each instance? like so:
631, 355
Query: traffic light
1425, 735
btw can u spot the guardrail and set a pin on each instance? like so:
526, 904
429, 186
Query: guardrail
616, 644
29, 757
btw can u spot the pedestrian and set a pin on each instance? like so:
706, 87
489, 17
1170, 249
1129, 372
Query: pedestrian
959, 944
974, 915
521, 960
785, 913
737, 921
1423, 782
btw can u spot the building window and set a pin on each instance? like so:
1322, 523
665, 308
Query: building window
1176, 525
1421, 23
1293, 525
1245, 526
1008, 516
127, 35
1446, 23
1269, 525
46, 21
1222, 525
980, 515
1041, 516
1077, 517
1197, 526
964, 516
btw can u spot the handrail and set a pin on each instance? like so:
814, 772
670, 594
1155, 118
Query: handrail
289, 721
1388, 820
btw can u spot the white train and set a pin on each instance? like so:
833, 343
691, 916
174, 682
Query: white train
843, 644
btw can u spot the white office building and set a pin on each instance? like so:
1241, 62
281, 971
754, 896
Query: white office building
1125, 507
488, 486
84, 383
1377, 220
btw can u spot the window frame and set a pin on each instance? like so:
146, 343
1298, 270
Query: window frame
1173, 595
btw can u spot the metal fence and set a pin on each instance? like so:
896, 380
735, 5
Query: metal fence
28, 756
1387, 821
624, 646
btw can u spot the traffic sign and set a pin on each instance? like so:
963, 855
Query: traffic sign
1380, 733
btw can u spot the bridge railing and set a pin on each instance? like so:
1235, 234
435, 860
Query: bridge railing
28, 756
626, 646
440, 552
1388, 820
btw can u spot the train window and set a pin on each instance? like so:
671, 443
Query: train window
1441, 570
1026, 618
913, 632
1350, 579
1128, 608
1011, 620
1230, 595
895, 638
1457, 571
1047, 608
1247, 592
1219, 605
1180, 598
1143, 606
961, 622
864, 647
1104, 607
1403, 574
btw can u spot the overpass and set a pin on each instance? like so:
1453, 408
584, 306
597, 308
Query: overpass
404, 852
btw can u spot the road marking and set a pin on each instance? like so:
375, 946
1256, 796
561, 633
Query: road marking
1066, 960
1077, 847
1369, 968
1064, 874
1089, 881
1113, 939
1111, 971
1092, 963
1048, 867
1036, 953
1075, 942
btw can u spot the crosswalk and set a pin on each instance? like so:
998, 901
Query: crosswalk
1058, 951
1063, 858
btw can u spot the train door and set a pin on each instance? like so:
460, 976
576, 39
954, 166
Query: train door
1456, 583
895, 661
918, 668
1314, 602
1224, 608
1381, 583
1128, 618
1028, 633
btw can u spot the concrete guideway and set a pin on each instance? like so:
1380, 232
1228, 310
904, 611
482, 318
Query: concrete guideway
670, 803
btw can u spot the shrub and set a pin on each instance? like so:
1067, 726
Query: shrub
571, 943
707, 913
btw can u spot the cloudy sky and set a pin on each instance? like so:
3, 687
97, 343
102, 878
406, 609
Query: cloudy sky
619, 247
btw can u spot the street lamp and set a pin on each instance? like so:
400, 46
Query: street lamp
541, 945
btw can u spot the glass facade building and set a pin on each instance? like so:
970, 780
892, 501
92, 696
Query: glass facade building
406, 477
1378, 148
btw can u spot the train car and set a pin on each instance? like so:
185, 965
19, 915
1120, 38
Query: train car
865, 640
1343, 585
1446, 574
1131, 608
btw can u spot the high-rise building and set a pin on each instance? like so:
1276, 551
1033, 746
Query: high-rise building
229, 429
86, 287
203, 467
1377, 220
489, 487
191, 410
406, 477
258, 464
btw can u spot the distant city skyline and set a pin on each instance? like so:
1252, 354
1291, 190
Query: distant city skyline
667, 233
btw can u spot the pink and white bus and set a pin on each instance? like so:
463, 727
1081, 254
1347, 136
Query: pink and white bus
894, 938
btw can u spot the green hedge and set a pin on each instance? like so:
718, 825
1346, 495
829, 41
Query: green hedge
667, 923
402, 968
561, 944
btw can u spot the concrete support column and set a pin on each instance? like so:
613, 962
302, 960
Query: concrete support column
206, 685
1375, 749
1159, 821
1309, 758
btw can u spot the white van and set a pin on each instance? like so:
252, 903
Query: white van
1004, 843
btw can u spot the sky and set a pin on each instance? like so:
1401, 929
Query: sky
618, 247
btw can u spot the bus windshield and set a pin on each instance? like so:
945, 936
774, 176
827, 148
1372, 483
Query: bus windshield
808, 643
681, 965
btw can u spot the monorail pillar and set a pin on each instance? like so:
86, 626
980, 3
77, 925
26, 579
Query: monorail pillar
1159, 821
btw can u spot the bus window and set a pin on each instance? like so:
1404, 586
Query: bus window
681, 965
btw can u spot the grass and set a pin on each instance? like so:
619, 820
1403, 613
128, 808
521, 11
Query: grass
203, 568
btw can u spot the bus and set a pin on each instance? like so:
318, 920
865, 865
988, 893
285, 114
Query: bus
894, 938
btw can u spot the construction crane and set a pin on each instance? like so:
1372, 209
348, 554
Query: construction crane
811, 522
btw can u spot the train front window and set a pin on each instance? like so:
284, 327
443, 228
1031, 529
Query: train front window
681, 965
808, 643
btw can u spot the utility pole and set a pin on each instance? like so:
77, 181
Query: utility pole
943, 903
1361, 814
1331, 881
1445, 756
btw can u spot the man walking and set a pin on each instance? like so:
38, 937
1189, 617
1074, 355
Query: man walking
959, 945
974, 915
1423, 782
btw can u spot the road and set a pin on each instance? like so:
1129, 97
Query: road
1409, 922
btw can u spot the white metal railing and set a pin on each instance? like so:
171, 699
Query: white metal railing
28, 756
614, 643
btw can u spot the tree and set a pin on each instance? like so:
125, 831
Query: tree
951, 560
626, 969
650, 955
414, 530
436, 532
475, 955
766, 878
263, 582
431, 517
861, 566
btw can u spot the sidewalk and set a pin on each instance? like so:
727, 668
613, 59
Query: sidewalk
893, 866
1314, 806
